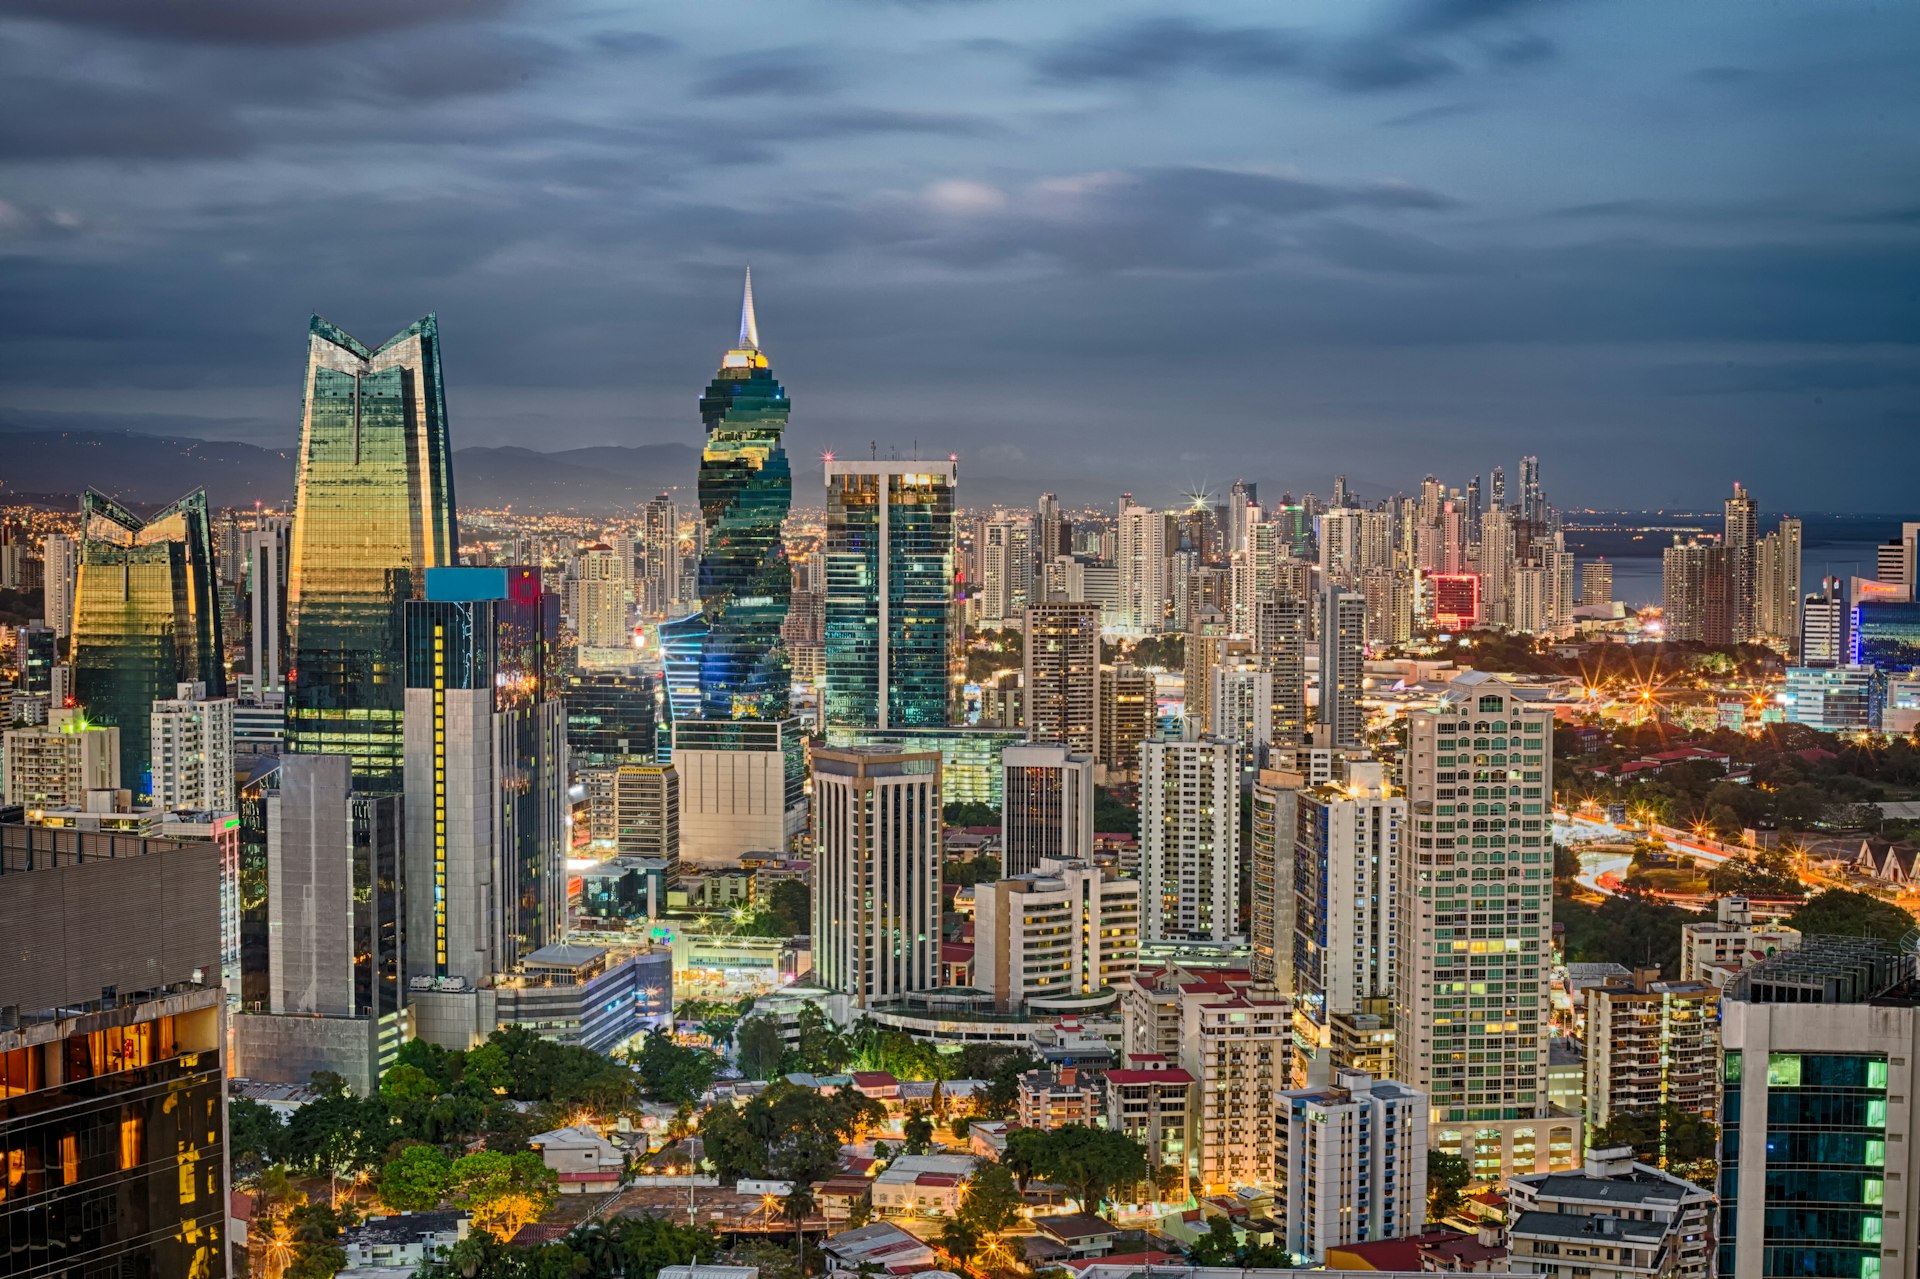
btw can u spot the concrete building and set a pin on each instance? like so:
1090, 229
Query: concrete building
1711, 948
646, 813
598, 607
54, 765
1347, 849
1054, 1098
266, 547
1280, 649
1836, 699
1238, 1047
1046, 809
1149, 1100
1820, 1075
1476, 922
192, 751
877, 870
1189, 839
1127, 715
1353, 1163
1143, 546
1343, 627
1826, 626
1061, 687
1652, 1043
112, 1056
60, 557
742, 787
1057, 936
1270, 854
1616, 1219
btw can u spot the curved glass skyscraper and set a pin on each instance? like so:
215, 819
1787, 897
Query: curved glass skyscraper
727, 661
373, 512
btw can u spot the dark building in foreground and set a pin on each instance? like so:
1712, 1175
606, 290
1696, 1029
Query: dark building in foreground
112, 1068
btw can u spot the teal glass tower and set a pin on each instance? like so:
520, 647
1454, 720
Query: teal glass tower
727, 661
891, 630
146, 618
373, 512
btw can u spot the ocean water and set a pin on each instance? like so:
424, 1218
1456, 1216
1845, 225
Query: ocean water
1839, 545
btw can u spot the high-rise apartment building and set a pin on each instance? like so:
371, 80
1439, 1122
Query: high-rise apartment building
891, 627
1739, 540
646, 814
192, 751
1353, 1163
1127, 717
1143, 547
373, 512
1343, 626
54, 765
1238, 1046
61, 556
1347, 849
598, 607
1476, 923
1189, 839
1712, 950
1819, 1081
1826, 626
1280, 649
1046, 807
1776, 590
1006, 568
657, 580
1064, 931
1596, 583
1061, 690
1693, 579
1274, 800
145, 618
112, 1056
485, 784
1649, 1044
1533, 502
876, 871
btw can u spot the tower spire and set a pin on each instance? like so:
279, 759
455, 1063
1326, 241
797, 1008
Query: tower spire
749, 330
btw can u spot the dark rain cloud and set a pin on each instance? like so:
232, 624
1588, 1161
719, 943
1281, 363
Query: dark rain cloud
259, 23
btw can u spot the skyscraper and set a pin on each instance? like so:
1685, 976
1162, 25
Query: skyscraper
1280, 649
1189, 840
1739, 534
1046, 807
266, 548
1061, 700
890, 623
1693, 583
1533, 504
1006, 568
485, 750
373, 512
877, 856
738, 664
1475, 928
1343, 626
599, 607
146, 618
60, 555
192, 755
1776, 591
657, 590
1142, 557
1275, 802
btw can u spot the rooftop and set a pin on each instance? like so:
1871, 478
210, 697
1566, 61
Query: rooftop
1830, 970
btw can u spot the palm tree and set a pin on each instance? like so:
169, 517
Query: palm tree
797, 1207
600, 1247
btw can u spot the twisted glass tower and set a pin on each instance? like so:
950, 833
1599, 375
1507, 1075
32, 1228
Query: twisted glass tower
727, 661
146, 618
374, 512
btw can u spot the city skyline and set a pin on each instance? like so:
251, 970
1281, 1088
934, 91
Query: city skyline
1162, 203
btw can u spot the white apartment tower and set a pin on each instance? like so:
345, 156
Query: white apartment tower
1189, 839
1065, 931
1343, 629
192, 740
1476, 926
1061, 691
1142, 559
60, 556
876, 871
1353, 1161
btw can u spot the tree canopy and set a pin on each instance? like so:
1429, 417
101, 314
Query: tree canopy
1845, 913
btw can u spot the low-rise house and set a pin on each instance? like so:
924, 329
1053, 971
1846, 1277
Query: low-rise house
878, 1085
1435, 1250
1617, 1219
587, 1163
923, 1185
1889, 863
403, 1239
840, 1199
1082, 1234
881, 1244
1054, 1098
987, 1138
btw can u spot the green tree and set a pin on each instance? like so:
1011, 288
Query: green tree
1114, 815
415, 1180
759, 1047
918, 1130
316, 1254
1621, 930
1670, 1137
503, 1192
1768, 874
1026, 1154
961, 1240
965, 813
649, 1243
821, 1048
1843, 912
437, 1063
1091, 1162
792, 905
338, 1135
1220, 1246
256, 1139
1448, 1177
485, 1071
671, 1073
993, 1201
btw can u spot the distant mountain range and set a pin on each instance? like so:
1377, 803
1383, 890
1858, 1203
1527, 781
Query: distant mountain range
148, 469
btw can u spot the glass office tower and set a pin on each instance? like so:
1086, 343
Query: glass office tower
746, 488
146, 618
890, 622
374, 511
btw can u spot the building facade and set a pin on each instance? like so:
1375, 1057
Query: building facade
1046, 809
54, 765
1353, 1161
373, 511
1061, 690
1651, 1044
1189, 839
1065, 931
192, 751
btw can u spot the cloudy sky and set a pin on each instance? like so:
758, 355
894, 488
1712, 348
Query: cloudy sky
1091, 245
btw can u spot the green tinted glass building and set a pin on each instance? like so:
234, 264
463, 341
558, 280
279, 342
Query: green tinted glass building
730, 653
374, 511
146, 618
891, 629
